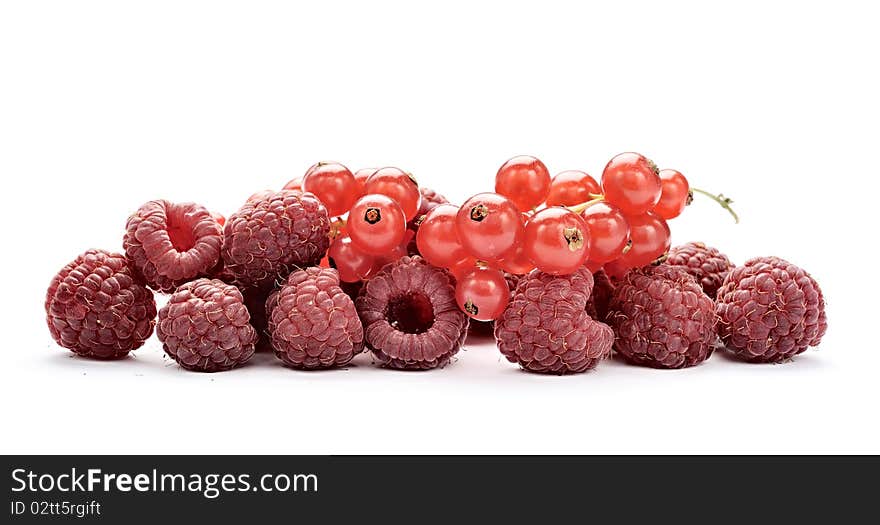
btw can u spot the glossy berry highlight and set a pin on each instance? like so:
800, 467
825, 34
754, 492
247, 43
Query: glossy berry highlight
631, 182
557, 241
376, 224
524, 180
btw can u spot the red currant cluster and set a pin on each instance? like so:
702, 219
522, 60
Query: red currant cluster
378, 204
556, 225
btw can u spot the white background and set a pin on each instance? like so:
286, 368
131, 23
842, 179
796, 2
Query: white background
105, 105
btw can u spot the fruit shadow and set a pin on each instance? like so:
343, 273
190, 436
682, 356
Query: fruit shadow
804, 361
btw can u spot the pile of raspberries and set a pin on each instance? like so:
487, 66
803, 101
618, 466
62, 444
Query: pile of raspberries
260, 281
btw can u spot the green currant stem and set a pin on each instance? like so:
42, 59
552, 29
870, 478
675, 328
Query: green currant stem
725, 202
594, 198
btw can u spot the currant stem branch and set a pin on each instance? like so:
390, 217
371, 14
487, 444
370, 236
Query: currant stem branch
594, 198
725, 202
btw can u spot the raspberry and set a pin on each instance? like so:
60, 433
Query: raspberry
312, 322
770, 310
708, 266
206, 327
169, 243
603, 289
430, 200
97, 307
411, 320
546, 328
273, 235
662, 318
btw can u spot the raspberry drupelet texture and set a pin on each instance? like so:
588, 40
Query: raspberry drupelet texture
206, 327
411, 320
662, 318
770, 311
546, 328
97, 307
708, 266
313, 322
170, 243
273, 235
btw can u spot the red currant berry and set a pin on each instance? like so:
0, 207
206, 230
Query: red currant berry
376, 224
333, 184
396, 253
489, 226
459, 268
674, 196
294, 184
352, 264
437, 239
482, 293
360, 177
557, 241
221, 220
609, 231
518, 263
616, 269
632, 183
260, 195
524, 180
571, 187
650, 238
400, 186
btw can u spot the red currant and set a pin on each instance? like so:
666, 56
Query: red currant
482, 293
295, 183
333, 184
459, 268
260, 195
360, 177
518, 263
674, 196
609, 231
400, 186
489, 226
396, 253
571, 187
616, 269
524, 180
376, 224
632, 183
352, 264
437, 239
557, 241
650, 238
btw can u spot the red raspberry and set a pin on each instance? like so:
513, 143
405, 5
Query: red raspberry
97, 307
312, 322
708, 266
603, 289
170, 243
411, 320
662, 318
273, 235
770, 310
206, 327
430, 200
546, 328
